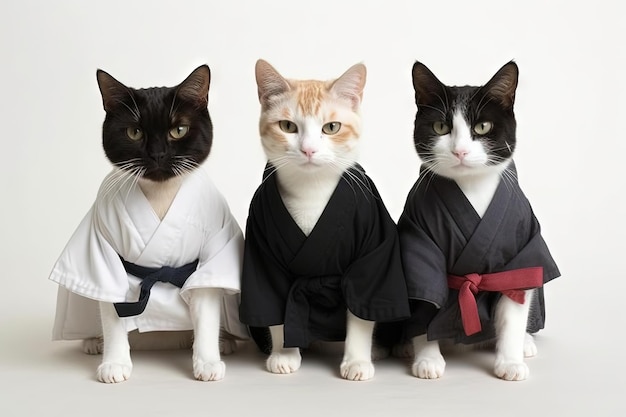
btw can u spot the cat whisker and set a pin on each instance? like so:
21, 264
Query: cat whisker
135, 113
443, 103
508, 178
132, 97
443, 113
343, 166
274, 166
428, 173
482, 105
137, 174
117, 177
117, 181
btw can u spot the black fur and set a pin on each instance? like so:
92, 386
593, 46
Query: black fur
492, 102
156, 111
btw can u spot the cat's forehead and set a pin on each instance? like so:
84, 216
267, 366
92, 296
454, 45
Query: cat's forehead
153, 93
309, 95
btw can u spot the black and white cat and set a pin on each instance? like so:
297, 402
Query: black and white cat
159, 232
467, 228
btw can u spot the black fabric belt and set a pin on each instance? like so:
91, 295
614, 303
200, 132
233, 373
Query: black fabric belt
150, 276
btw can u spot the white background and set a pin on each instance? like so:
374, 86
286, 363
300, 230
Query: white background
571, 152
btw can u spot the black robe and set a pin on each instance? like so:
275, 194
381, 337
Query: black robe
441, 234
350, 260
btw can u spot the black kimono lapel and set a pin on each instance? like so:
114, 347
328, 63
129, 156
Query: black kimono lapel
442, 234
350, 259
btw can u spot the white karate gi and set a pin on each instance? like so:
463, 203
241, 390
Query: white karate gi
121, 222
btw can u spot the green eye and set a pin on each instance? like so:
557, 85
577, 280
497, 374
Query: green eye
441, 128
287, 126
483, 128
134, 133
179, 131
331, 128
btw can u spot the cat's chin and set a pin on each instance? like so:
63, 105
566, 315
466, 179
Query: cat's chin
158, 176
465, 170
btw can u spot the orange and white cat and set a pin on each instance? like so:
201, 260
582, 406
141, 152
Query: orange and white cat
310, 133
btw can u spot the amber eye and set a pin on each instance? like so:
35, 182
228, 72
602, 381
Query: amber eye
483, 128
331, 128
179, 131
287, 126
441, 128
134, 133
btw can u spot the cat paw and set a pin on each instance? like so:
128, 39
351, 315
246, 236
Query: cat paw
429, 367
530, 349
227, 346
93, 346
284, 362
110, 373
511, 371
356, 370
209, 371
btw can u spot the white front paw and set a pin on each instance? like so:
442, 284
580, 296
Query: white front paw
427, 367
357, 370
110, 372
284, 362
209, 371
511, 370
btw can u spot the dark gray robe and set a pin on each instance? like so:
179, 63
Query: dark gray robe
350, 260
441, 234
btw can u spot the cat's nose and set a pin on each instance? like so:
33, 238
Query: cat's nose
460, 154
308, 151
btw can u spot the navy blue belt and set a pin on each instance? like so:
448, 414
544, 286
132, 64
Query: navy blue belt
150, 276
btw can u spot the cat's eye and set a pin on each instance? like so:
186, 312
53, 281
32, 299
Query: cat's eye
179, 132
483, 128
331, 128
287, 126
441, 128
134, 133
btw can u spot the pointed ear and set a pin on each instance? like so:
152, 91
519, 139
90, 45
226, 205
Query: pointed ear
113, 92
350, 85
269, 82
195, 88
502, 85
428, 89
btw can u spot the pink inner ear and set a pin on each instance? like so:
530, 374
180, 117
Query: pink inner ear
350, 85
269, 82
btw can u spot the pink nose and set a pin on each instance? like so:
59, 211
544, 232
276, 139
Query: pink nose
460, 154
308, 152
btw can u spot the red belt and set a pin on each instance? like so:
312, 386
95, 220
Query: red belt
510, 283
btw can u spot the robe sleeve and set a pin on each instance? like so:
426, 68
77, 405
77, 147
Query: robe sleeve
221, 253
89, 266
265, 284
423, 261
374, 284
535, 253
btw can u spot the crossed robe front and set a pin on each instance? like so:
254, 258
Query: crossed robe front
441, 234
350, 260
121, 223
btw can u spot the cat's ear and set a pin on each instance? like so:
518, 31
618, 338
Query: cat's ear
350, 85
269, 82
113, 92
502, 86
195, 88
428, 88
